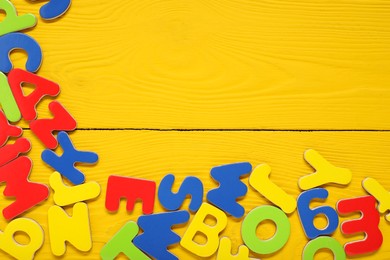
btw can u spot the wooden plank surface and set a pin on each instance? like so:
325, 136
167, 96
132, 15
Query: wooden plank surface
151, 155
220, 63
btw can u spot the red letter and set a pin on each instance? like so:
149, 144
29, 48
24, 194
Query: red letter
12, 151
132, 189
28, 103
26, 193
368, 223
7, 130
43, 128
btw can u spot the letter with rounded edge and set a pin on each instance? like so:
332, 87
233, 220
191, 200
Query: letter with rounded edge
21, 251
367, 223
122, 242
54, 9
66, 195
211, 232
254, 218
27, 104
12, 41
307, 214
230, 187
7, 100
330, 243
62, 121
75, 230
12, 22
224, 251
65, 164
325, 172
373, 187
260, 181
191, 186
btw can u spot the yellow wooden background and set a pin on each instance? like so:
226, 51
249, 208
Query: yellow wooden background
134, 73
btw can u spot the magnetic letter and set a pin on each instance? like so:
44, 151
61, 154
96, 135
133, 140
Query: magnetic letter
10, 152
330, 243
43, 87
306, 214
230, 188
224, 251
13, 248
325, 172
158, 235
373, 187
54, 9
13, 41
7, 130
122, 242
43, 128
254, 218
260, 181
211, 232
27, 194
66, 195
12, 22
75, 230
65, 164
132, 189
7, 100
191, 186
368, 223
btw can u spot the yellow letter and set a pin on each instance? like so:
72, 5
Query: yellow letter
224, 251
211, 232
65, 195
325, 172
260, 181
31, 228
75, 229
381, 195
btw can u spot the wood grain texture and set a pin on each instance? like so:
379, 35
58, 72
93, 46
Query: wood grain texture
220, 64
151, 155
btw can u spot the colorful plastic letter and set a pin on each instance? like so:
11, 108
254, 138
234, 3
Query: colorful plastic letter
65, 164
27, 104
330, 243
7, 100
12, 151
54, 9
75, 230
254, 218
158, 235
367, 223
191, 186
13, 41
12, 22
325, 172
132, 189
27, 194
7, 130
211, 232
122, 242
373, 187
230, 188
62, 121
22, 251
67, 195
260, 181
224, 251
306, 214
